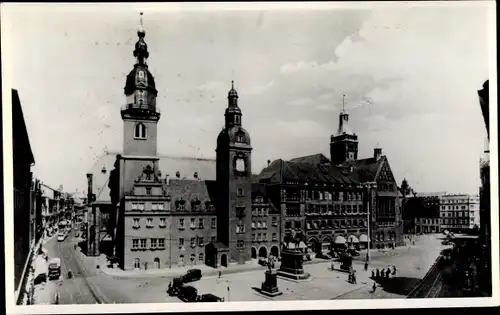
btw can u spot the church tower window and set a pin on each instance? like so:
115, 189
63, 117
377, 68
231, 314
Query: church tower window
140, 131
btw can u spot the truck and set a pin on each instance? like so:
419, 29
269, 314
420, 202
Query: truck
54, 268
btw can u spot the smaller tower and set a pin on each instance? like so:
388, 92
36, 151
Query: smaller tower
234, 184
344, 144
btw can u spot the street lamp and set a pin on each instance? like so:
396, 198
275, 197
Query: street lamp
369, 186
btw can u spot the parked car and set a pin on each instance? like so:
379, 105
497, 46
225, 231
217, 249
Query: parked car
188, 294
173, 290
209, 297
192, 275
54, 268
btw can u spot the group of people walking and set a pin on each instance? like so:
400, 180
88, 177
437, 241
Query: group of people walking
383, 273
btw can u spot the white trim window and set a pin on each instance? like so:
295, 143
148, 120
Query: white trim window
140, 131
140, 206
193, 223
149, 222
144, 243
264, 225
214, 223
181, 223
161, 243
163, 222
136, 224
153, 243
135, 244
154, 206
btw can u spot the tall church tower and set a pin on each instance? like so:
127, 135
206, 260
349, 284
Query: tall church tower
140, 115
234, 184
344, 144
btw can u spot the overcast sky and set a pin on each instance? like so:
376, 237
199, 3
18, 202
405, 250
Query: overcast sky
410, 77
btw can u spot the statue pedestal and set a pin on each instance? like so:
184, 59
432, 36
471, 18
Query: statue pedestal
270, 286
291, 265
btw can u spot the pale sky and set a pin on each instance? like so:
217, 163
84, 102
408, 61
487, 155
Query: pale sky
410, 77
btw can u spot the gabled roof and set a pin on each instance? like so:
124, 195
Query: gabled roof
367, 169
169, 165
317, 158
287, 171
191, 190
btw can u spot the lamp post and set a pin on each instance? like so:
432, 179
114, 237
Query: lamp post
369, 186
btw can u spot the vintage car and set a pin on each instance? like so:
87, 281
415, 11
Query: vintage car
188, 294
192, 275
174, 288
54, 268
209, 297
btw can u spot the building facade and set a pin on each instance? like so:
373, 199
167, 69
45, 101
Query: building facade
171, 211
24, 212
459, 212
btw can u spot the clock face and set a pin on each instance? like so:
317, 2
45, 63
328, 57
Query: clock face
240, 165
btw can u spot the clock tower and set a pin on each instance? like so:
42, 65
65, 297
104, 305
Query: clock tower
234, 184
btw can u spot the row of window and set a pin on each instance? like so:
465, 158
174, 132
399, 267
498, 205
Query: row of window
182, 223
321, 224
263, 224
139, 206
262, 237
381, 236
324, 195
429, 221
334, 209
456, 214
453, 207
195, 205
449, 201
260, 212
159, 243
155, 243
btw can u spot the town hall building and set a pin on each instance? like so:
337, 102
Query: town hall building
161, 212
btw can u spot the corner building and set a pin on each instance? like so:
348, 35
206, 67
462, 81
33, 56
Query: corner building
168, 211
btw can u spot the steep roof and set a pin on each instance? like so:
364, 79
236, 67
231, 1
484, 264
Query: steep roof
318, 158
192, 189
287, 171
169, 165
367, 169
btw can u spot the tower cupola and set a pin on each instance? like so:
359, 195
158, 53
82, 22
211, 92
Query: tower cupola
140, 89
344, 144
233, 112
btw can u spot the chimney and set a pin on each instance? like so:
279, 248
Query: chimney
89, 187
377, 153
195, 175
178, 174
268, 162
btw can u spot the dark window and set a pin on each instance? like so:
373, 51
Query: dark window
140, 131
239, 192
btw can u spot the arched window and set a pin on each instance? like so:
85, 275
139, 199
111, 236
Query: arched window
137, 263
237, 119
140, 131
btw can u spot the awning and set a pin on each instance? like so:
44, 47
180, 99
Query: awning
363, 238
353, 239
340, 240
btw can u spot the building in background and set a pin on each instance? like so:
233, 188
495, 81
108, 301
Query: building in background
24, 211
459, 212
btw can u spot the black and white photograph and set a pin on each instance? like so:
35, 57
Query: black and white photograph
283, 156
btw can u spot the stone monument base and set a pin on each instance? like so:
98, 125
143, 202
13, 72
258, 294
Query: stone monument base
270, 286
294, 276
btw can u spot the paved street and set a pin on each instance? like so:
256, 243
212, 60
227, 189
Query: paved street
90, 285
412, 263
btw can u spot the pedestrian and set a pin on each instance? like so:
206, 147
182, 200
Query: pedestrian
382, 273
388, 272
374, 286
350, 278
373, 274
366, 266
354, 278
332, 266
393, 270
220, 273
377, 274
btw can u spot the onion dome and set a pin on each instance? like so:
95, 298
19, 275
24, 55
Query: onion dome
232, 93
